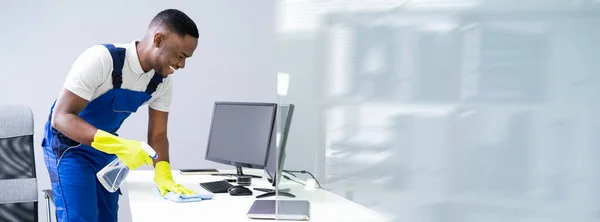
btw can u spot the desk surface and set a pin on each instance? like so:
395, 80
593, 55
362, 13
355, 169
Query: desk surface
145, 206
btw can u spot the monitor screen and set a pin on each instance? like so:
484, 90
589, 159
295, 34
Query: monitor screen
240, 133
276, 155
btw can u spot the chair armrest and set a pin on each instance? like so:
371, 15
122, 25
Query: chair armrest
49, 194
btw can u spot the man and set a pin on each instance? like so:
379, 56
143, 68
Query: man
106, 84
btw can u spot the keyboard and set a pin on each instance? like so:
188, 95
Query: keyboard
220, 186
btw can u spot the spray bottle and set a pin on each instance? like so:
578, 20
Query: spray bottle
113, 175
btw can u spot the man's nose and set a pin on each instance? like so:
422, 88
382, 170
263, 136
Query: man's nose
181, 64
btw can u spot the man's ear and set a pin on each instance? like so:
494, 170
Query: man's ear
159, 38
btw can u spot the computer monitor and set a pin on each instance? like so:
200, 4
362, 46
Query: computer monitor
240, 134
276, 158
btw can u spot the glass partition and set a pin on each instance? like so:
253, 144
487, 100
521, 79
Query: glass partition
442, 111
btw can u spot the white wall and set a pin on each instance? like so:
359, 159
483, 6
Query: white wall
234, 61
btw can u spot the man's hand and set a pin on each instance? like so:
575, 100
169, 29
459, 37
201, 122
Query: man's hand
157, 138
164, 180
128, 151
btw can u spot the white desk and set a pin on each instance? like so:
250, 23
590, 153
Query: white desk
145, 206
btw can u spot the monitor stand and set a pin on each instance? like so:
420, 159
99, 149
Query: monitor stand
239, 173
271, 192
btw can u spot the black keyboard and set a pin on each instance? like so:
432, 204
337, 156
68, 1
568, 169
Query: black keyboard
220, 186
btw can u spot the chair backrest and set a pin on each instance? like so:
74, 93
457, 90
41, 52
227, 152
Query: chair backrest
18, 183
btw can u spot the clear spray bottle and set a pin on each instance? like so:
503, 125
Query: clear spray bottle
113, 175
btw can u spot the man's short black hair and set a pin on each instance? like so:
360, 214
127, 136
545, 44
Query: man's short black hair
176, 21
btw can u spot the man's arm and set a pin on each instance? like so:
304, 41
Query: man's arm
66, 120
85, 76
157, 139
157, 133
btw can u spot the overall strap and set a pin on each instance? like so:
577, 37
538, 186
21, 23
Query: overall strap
118, 58
153, 84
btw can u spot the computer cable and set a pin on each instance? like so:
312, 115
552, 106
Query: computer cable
289, 178
303, 172
290, 173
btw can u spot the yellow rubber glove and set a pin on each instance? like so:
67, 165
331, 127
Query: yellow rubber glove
129, 152
164, 180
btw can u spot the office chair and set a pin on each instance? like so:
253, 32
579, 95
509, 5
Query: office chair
18, 181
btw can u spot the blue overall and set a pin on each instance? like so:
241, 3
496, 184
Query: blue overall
78, 196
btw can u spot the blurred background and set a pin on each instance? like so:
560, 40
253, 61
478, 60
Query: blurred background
446, 110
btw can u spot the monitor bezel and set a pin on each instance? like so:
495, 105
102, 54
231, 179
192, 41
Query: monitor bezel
283, 143
237, 163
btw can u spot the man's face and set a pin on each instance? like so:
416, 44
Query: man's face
171, 52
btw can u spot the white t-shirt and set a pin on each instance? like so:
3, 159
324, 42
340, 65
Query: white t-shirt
91, 76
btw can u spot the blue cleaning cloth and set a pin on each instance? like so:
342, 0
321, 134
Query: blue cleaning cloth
181, 198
